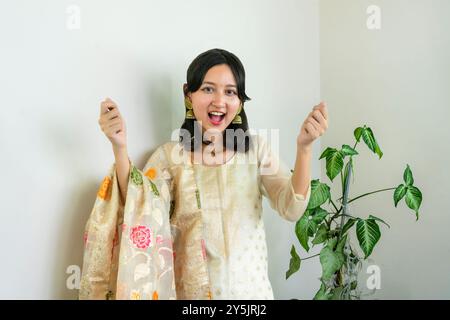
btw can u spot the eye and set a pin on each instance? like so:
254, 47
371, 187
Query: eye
231, 92
207, 89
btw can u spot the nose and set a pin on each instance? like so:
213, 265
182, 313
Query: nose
219, 99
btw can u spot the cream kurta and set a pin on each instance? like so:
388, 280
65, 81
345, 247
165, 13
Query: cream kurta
229, 203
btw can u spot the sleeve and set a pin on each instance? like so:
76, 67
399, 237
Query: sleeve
128, 248
275, 183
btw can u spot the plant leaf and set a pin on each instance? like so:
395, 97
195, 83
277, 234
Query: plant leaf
368, 234
301, 230
331, 262
335, 163
323, 293
348, 225
331, 243
408, 177
337, 293
399, 193
378, 151
370, 141
414, 199
316, 217
308, 224
378, 219
321, 235
341, 244
327, 152
348, 151
320, 192
294, 264
357, 133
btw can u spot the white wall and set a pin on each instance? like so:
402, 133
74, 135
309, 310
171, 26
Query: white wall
52, 80
395, 80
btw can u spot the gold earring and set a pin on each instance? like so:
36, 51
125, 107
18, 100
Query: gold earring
189, 111
237, 119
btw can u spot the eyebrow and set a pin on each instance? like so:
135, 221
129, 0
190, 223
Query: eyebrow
228, 85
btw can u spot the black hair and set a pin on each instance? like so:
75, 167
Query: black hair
195, 76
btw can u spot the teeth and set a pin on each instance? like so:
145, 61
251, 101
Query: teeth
217, 113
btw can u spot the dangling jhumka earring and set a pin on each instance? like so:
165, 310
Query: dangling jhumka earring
237, 119
189, 111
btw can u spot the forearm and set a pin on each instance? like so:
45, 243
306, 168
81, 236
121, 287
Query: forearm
123, 170
302, 171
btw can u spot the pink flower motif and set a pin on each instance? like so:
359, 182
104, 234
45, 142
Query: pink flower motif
85, 237
141, 236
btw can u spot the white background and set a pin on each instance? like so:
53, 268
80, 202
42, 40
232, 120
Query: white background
396, 80
54, 155
296, 52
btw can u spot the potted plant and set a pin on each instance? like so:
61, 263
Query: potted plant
330, 226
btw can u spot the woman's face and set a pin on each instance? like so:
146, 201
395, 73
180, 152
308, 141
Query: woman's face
217, 94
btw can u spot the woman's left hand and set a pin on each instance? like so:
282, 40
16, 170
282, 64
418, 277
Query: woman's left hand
313, 127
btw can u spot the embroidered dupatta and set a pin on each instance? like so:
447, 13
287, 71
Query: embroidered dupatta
134, 252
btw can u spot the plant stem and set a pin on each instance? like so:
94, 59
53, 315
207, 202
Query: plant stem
366, 194
340, 215
334, 205
311, 257
346, 215
345, 200
335, 215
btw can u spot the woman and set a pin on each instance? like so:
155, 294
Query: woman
189, 225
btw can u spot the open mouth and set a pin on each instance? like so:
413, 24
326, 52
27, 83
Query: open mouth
216, 118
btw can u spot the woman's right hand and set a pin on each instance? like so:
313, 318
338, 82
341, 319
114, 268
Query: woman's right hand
112, 123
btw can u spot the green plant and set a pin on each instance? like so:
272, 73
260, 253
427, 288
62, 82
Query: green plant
339, 259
